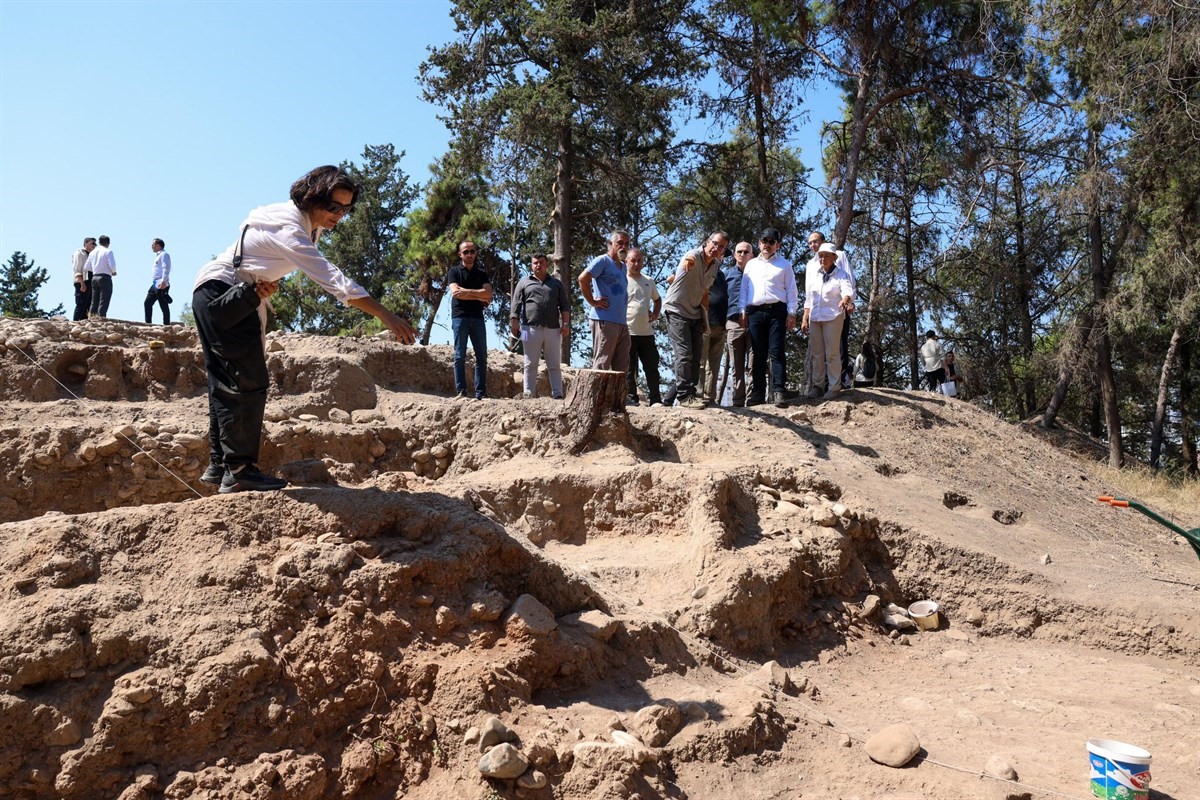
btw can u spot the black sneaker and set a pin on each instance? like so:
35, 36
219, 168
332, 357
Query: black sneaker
755, 401
213, 474
632, 401
250, 479
781, 399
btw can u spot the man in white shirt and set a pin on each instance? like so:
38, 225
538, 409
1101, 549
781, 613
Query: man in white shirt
769, 301
642, 310
82, 278
160, 283
828, 296
102, 264
933, 355
815, 240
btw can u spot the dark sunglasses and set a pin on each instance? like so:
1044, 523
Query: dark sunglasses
334, 207
744, 252
470, 252
767, 241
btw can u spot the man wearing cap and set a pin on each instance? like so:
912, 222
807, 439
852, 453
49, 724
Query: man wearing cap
686, 309
815, 240
610, 328
934, 357
828, 296
736, 341
769, 302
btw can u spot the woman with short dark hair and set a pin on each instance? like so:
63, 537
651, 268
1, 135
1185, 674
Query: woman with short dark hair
228, 303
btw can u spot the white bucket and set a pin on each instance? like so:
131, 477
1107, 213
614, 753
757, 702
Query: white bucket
925, 614
1118, 770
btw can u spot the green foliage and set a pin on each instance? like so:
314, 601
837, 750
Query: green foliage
20, 282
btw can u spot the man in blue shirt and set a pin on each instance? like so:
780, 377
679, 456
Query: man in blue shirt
470, 292
610, 328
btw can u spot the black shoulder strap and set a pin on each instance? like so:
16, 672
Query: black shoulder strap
241, 248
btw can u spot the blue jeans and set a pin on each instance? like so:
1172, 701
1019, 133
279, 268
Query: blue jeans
476, 329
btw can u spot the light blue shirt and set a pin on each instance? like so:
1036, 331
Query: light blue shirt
162, 268
609, 280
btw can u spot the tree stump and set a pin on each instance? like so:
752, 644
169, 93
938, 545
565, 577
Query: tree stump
594, 393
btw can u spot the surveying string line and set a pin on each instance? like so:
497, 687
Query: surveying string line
140, 449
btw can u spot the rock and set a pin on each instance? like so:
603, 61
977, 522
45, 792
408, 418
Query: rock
1046, 559
786, 508
124, 432
471, 736
533, 779
338, 415
67, 733
656, 724
308, 418
894, 746
625, 738
998, 767
276, 414
957, 656
440, 451
824, 516
362, 415
550, 506
421, 456
503, 761
597, 624
274, 346
528, 615
973, 616
870, 607
840, 510
699, 592
772, 675
900, 622
492, 732
157, 344
376, 448
540, 754
502, 438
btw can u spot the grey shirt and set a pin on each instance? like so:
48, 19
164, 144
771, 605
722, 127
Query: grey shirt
539, 304
686, 293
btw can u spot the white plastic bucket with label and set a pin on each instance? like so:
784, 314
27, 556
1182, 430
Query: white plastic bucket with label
1118, 770
925, 614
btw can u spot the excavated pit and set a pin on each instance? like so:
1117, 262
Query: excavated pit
438, 562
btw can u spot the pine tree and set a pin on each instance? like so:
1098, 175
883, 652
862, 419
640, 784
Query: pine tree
19, 286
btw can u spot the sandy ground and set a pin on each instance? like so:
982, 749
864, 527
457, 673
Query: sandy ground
430, 566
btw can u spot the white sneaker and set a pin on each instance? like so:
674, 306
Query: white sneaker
832, 393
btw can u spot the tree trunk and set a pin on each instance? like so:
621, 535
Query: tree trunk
909, 275
594, 393
858, 140
1024, 292
1160, 408
1072, 350
762, 73
561, 221
1101, 283
1187, 429
434, 305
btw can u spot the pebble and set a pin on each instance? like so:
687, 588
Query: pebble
656, 724
502, 438
894, 746
492, 732
533, 779
999, 767
338, 415
784, 507
308, 418
440, 451
957, 656
1046, 559
421, 456
824, 516
625, 739
529, 613
503, 761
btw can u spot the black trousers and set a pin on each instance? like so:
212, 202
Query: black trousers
642, 348
101, 295
935, 379
231, 337
767, 325
162, 297
687, 342
83, 300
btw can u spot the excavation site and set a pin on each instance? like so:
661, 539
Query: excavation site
486, 599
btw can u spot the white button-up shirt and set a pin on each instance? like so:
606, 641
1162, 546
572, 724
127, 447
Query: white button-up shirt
162, 268
823, 295
101, 262
769, 281
79, 265
279, 240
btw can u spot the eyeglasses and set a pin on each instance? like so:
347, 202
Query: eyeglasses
467, 252
767, 241
334, 207
744, 252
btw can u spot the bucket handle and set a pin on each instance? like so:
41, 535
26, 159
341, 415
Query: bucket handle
1128, 775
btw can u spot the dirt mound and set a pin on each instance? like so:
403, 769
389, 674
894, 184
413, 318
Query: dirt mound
449, 604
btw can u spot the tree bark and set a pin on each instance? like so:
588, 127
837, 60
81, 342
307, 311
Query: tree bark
910, 277
1160, 407
594, 393
1024, 291
1187, 428
561, 220
1072, 351
1101, 284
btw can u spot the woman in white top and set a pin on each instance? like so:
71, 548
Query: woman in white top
827, 297
230, 316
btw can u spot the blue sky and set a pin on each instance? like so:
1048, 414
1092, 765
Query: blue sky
173, 119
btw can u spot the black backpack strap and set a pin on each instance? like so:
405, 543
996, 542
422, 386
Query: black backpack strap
240, 248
